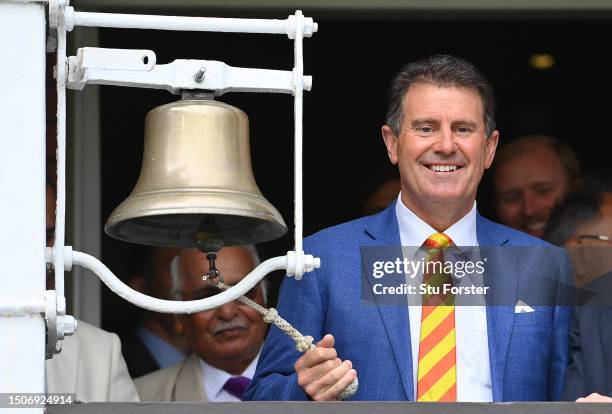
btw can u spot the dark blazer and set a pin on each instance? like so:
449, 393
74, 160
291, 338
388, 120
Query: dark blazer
590, 367
528, 352
137, 357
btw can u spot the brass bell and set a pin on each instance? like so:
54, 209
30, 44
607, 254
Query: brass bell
196, 186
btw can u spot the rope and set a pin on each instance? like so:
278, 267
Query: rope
302, 343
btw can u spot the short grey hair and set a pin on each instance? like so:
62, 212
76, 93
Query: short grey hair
176, 290
575, 211
442, 71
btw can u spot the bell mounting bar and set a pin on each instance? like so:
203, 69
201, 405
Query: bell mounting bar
288, 27
137, 68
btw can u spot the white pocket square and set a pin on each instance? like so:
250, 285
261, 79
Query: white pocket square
522, 307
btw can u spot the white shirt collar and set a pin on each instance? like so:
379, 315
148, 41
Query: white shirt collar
414, 231
214, 378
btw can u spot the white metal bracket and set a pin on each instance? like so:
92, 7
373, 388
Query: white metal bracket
299, 263
56, 7
58, 326
58, 323
53, 345
137, 68
287, 27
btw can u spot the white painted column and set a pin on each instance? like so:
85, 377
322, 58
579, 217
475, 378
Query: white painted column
22, 196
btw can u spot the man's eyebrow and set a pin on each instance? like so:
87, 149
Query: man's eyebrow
423, 121
508, 191
466, 123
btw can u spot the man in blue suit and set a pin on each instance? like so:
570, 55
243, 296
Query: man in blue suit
440, 130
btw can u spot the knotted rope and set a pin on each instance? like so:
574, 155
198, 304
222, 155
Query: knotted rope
302, 343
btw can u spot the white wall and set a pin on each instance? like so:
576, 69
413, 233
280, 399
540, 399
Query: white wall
22, 195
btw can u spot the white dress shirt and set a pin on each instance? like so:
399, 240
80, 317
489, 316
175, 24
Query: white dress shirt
214, 379
473, 369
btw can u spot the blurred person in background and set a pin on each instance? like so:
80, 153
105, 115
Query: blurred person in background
379, 190
531, 175
583, 224
154, 344
90, 365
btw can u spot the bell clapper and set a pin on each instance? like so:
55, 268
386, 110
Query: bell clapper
213, 275
209, 240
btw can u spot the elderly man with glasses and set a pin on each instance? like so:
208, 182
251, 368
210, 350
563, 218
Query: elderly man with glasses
583, 224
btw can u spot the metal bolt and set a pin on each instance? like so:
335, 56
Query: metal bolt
199, 76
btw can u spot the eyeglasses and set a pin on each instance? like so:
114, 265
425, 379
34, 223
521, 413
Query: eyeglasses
595, 239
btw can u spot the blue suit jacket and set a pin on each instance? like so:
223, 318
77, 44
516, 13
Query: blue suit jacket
528, 352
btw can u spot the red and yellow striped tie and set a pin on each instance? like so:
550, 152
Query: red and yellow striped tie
437, 372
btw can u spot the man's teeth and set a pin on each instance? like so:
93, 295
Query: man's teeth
443, 168
536, 226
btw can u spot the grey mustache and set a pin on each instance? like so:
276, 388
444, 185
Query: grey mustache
236, 323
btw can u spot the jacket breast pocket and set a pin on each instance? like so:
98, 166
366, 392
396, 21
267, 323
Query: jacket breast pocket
541, 316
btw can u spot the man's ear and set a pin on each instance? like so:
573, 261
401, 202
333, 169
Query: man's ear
490, 146
578, 257
390, 142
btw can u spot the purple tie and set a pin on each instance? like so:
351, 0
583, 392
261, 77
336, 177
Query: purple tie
236, 386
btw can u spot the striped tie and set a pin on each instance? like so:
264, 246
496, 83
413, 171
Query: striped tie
437, 373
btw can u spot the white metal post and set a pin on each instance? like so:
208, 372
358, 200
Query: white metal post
86, 187
22, 191
298, 104
60, 207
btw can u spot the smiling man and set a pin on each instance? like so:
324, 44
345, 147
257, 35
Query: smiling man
442, 146
226, 341
532, 174
440, 131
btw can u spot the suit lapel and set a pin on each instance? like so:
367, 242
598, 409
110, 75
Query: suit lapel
384, 231
604, 314
189, 385
501, 271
